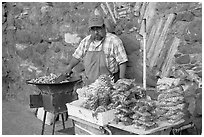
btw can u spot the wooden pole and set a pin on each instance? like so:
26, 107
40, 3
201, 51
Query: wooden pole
144, 55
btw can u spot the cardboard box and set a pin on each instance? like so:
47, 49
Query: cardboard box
101, 119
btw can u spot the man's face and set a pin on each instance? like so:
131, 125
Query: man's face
98, 32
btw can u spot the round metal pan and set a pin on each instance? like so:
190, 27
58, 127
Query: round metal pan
71, 79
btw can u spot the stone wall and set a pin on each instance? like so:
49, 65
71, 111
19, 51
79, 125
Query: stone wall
41, 35
37, 36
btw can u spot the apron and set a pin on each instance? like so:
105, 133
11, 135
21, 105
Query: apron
95, 65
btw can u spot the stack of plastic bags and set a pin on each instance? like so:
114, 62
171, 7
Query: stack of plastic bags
170, 102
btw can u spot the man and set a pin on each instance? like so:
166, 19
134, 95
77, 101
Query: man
101, 52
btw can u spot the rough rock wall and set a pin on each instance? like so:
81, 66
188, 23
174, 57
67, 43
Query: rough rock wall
40, 35
37, 36
174, 48
179, 25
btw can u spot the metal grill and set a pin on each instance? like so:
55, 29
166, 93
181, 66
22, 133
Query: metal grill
53, 97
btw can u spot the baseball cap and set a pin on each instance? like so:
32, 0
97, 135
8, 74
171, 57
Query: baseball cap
95, 20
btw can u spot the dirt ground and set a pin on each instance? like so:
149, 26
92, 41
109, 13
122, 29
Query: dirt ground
17, 119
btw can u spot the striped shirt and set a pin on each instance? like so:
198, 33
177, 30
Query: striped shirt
112, 46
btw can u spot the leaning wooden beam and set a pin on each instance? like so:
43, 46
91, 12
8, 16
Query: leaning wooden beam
161, 40
109, 8
168, 62
137, 8
114, 10
142, 12
155, 38
104, 9
151, 37
163, 54
150, 14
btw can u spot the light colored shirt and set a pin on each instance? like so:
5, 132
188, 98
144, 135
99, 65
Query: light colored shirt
112, 46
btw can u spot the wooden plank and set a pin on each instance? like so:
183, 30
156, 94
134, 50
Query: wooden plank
142, 12
111, 13
170, 57
150, 14
161, 40
155, 38
167, 45
164, 52
151, 37
115, 11
141, 24
137, 6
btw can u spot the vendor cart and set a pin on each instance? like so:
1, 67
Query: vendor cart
85, 125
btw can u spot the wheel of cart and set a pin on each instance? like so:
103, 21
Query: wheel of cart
182, 129
53, 97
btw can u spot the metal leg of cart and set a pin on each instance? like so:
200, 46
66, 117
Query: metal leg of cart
53, 128
55, 117
43, 126
176, 131
63, 120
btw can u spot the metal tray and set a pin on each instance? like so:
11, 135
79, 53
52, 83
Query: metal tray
52, 88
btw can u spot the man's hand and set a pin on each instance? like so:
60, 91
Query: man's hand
68, 71
63, 76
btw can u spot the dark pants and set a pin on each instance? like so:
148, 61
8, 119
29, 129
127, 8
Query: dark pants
116, 76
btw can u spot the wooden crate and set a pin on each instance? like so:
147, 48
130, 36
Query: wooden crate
101, 119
